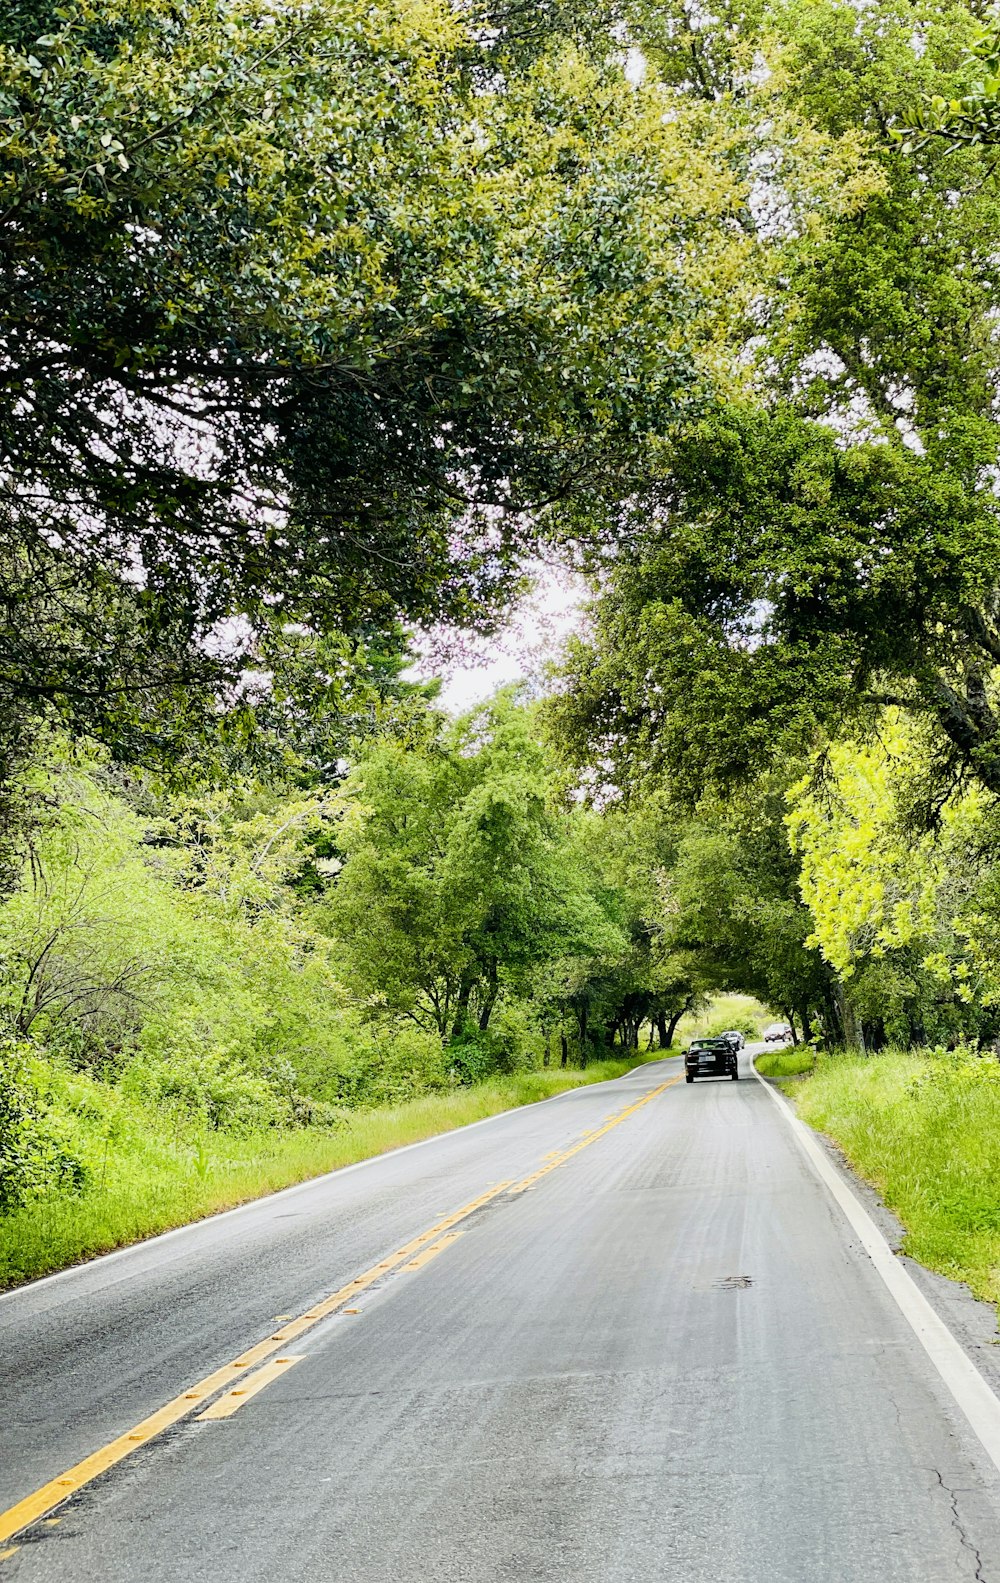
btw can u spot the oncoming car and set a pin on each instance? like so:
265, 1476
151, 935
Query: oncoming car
777, 1033
712, 1058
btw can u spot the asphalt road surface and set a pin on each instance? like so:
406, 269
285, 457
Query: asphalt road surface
659, 1354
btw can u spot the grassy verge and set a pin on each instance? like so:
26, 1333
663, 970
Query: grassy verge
797, 1061
925, 1131
150, 1181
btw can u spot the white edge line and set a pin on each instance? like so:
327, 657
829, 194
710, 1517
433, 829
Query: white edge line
974, 1396
299, 1187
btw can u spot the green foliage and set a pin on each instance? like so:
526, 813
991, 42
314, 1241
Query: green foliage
460, 881
972, 118
825, 540
304, 313
802, 585
903, 914
35, 1157
369, 1066
512, 1043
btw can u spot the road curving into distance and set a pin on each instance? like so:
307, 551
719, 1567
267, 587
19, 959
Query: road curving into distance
628, 1334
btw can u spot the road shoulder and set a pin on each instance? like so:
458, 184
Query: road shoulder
971, 1320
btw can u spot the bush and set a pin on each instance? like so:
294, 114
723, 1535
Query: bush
512, 1043
378, 1066
34, 1158
518, 1037
210, 1087
310, 1112
473, 1057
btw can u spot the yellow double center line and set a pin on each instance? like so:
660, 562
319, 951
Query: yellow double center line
556, 1160
410, 1257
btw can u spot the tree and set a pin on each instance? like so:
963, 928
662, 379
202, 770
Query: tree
629, 850
828, 542
899, 913
307, 313
735, 907
458, 881
794, 584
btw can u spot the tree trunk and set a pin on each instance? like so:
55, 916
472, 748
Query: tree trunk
491, 998
971, 725
833, 1019
565, 1050
547, 1052
675, 1017
853, 1034
461, 1007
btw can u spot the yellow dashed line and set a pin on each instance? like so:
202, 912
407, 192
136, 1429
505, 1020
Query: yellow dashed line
432, 1252
233, 1400
555, 1160
412, 1256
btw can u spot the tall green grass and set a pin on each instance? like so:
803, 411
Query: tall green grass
925, 1131
150, 1179
795, 1061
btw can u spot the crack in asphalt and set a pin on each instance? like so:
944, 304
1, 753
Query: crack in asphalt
956, 1523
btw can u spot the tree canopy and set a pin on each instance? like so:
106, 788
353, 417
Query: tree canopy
824, 541
309, 314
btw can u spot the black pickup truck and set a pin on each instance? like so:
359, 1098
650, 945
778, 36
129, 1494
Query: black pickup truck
712, 1058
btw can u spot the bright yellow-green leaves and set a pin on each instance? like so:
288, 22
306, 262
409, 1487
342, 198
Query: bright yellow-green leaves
873, 883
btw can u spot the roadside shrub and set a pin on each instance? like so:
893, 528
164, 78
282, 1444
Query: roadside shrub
310, 1112
951, 1071
378, 1066
473, 1057
518, 1038
210, 1087
34, 1158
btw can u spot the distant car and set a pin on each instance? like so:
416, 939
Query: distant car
777, 1033
711, 1058
735, 1035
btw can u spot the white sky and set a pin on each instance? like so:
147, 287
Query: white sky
473, 669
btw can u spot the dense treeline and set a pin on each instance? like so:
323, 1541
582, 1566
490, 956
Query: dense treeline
270, 955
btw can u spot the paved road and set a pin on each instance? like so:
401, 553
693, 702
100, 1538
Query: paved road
667, 1359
